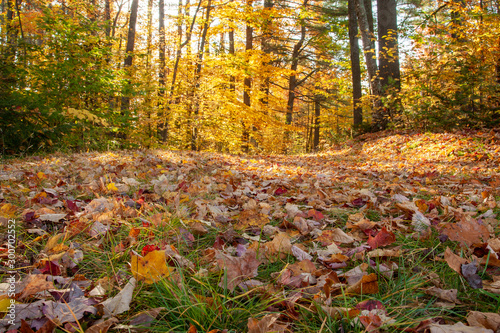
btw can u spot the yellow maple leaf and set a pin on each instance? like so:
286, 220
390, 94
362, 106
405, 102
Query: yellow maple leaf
112, 187
41, 175
150, 268
8, 210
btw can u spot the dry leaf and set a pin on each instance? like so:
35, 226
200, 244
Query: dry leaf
456, 328
449, 295
367, 285
265, 325
454, 261
279, 245
467, 232
237, 268
121, 302
382, 238
484, 319
251, 218
150, 268
35, 283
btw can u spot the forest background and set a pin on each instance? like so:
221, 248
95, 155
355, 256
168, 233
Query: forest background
276, 76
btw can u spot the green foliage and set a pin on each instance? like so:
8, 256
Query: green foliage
452, 81
60, 88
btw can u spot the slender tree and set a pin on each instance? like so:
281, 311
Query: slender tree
355, 66
247, 82
130, 49
197, 73
162, 114
292, 81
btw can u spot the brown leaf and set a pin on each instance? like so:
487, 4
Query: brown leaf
251, 218
192, 329
454, 261
484, 319
53, 243
449, 295
327, 237
467, 232
35, 283
456, 328
102, 327
367, 285
279, 245
377, 253
267, 324
237, 268
339, 312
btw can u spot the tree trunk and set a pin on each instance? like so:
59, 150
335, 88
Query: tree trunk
107, 17
247, 83
232, 79
355, 66
150, 34
292, 81
317, 114
178, 54
379, 119
267, 49
162, 114
129, 50
201, 52
388, 44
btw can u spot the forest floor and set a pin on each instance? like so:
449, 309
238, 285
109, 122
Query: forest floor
389, 232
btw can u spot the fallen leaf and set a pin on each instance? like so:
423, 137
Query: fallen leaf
378, 253
265, 325
327, 237
150, 268
469, 273
146, 318
456, 328
449, 295
467, 232
102, 327
484, 319
339, 312
280, 245
237, 268
454, 261
121, 302
367, 285
34, 283
251, 218
382, 238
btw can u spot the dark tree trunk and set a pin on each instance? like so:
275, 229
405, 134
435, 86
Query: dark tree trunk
247, 83
388, 44
369, 17
266, 48
162, 114
232, 79
178, 54
389, 72
107, 17
150, 34
378, 116
292, 81
130, 49
317, 114
201, 52
355, 66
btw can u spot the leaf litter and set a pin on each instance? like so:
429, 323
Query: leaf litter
327, 228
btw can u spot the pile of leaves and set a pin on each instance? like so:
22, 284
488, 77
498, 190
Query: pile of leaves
391, 233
